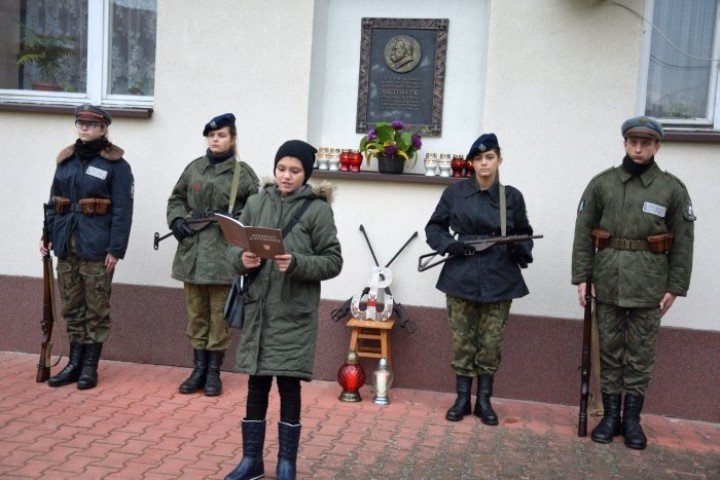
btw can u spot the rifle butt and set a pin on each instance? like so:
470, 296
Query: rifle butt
43, 369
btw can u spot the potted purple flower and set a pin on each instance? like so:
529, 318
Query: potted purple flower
392, 145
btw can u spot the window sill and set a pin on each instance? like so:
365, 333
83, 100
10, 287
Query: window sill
385, 177
695, 136
116, 112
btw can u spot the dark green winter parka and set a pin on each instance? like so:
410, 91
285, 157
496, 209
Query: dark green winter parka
281, 309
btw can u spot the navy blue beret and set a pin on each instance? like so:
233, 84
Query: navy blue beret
224, 120
302, 151
92, 113
484, 143
643, 127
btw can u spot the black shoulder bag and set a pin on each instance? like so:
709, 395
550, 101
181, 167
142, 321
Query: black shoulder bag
234, 311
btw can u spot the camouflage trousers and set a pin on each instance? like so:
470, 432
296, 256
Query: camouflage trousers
206, 327
477, 335
627, 347
85, 288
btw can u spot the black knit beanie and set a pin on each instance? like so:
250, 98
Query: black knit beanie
302, 151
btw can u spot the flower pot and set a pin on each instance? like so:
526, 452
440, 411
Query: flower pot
47, 87
390, 164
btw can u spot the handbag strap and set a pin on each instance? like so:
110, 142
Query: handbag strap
296, 217
291, 224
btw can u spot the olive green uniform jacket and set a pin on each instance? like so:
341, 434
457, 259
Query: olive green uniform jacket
633, 208
203, 187
281, 309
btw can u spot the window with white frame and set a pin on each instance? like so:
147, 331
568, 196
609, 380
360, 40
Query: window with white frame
682, 65
74, 51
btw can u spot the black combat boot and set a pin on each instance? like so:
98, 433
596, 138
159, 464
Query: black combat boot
632, 431
251, 467
71, 372
483, 407
196, 380
461, 407
89, 375
289, 436
609, 426
213, 385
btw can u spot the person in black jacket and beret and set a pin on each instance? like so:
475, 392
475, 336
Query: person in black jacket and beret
479, 286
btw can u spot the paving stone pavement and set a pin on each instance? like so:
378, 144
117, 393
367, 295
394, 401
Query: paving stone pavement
135, 425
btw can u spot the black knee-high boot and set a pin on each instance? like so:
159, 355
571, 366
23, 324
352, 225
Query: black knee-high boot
213, 384
461, 407
631, 429
483, 407
251, 467
609, 426
197, 377
91, 358
71, 372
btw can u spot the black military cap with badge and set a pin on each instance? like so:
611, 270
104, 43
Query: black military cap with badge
642, 127
224, 120
484, 143
91, 113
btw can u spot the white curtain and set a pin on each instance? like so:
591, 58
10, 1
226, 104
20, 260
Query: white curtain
133, 32
681, 80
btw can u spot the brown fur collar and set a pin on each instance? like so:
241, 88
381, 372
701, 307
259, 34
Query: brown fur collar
112, 153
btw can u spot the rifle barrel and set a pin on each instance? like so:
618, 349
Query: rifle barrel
48, 317
479, 245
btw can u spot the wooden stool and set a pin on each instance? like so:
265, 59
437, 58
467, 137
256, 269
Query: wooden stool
367, 332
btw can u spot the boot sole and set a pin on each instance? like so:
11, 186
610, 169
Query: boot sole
454, 419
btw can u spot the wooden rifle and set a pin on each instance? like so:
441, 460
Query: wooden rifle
48, 317
585, 365
471, 248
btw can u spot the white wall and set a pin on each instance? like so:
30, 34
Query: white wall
554, 79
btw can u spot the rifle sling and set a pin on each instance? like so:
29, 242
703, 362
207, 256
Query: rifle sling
503, 210
235, 184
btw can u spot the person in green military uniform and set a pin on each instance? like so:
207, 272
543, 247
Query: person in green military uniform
216, 182
634, 231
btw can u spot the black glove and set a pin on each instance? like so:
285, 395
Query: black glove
180, 229
518, 255
456, 249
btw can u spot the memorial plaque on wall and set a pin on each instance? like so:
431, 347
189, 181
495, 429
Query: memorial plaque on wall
402, 73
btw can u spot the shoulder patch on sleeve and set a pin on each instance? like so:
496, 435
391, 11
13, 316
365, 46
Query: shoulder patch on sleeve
688, 212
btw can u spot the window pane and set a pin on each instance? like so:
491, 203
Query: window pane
680, 73
42, 45
132, 44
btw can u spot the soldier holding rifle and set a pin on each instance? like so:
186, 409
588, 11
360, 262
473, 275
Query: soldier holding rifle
215, 182
640, 220
89, 218
479, 287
